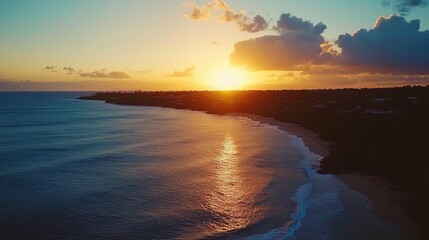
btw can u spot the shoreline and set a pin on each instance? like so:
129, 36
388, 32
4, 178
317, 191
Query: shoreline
311, 139
384, 203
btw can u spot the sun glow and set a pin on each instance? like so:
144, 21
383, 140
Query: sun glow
228, 78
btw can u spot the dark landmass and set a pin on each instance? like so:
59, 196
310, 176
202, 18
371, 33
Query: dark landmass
378, 132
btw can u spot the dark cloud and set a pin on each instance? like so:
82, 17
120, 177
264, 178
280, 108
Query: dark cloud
257, 24
392, 46
50, 67
69, 70
243, 22
404, 6
298, 43
188, 72
102, 74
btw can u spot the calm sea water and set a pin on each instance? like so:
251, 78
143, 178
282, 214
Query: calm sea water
72, 169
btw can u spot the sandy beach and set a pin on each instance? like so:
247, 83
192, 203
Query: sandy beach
311, 139
371, 209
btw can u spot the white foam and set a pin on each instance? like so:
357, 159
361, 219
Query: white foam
318, 197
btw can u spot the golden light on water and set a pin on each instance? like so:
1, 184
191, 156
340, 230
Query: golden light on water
228, 78
232, 199
229, 182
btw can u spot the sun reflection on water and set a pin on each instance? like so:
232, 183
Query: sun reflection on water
232, 200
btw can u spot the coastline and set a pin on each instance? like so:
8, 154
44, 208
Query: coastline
371, 207
311, 139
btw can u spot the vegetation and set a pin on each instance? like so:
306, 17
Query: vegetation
379, 132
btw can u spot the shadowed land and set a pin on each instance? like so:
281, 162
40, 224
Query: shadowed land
377, 132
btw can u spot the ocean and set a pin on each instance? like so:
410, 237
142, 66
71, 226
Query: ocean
73, 169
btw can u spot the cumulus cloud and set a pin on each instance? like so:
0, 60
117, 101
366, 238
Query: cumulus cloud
404, 6
188, 72
227, 14
297, 43
102, 74
392, 46
50, 67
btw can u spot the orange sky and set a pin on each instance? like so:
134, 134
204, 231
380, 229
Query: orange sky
211, 44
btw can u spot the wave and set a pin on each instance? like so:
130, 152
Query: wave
319, 193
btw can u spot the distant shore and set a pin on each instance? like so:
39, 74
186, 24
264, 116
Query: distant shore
384, 202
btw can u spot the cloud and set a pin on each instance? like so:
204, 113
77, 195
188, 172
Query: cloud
392, 46
297, 43
404, 6
93, 85
50, 67
188, 72
205, 11
257, 24
86, 85
95, 74
287, 75
69, 70
102, 74
244, 23
202, 12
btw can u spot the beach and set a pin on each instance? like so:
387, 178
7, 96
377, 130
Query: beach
372, 210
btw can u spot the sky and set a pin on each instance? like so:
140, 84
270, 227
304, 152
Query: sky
212, 44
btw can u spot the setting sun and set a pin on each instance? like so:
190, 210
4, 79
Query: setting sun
228, 78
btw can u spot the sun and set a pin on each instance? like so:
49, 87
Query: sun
228, 78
